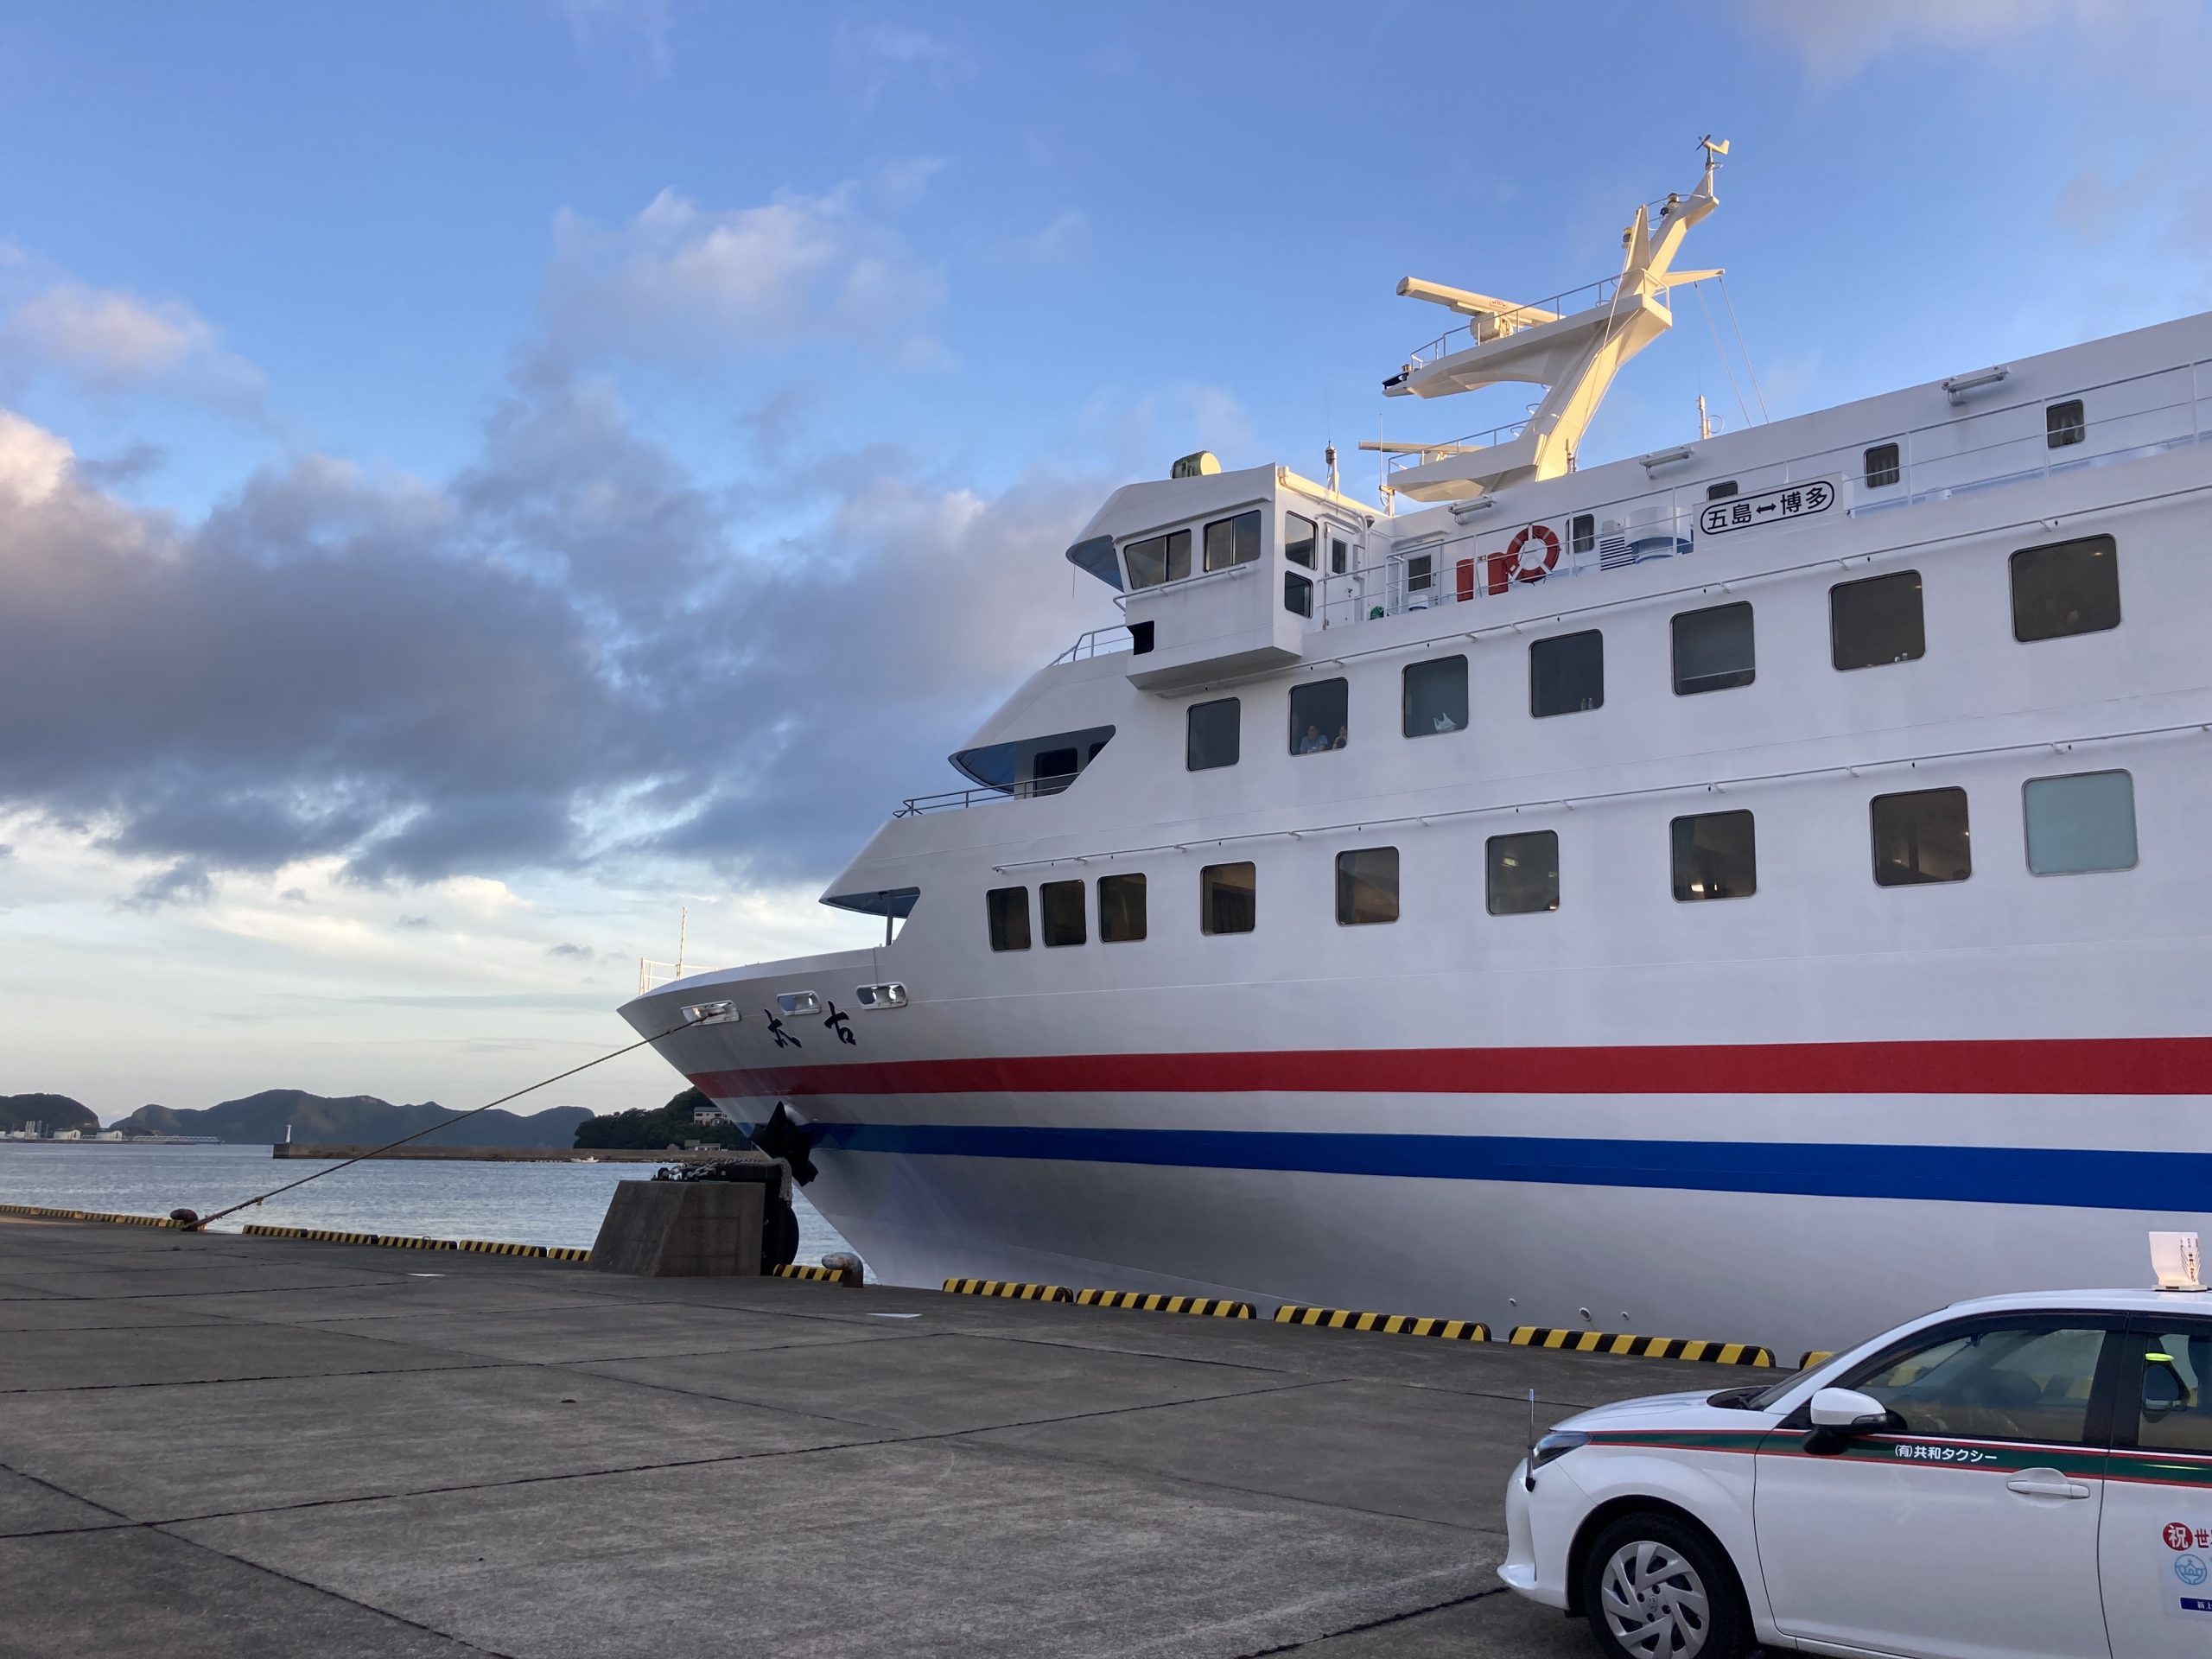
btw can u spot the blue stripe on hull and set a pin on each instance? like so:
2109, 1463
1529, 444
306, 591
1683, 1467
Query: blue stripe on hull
2073, 1177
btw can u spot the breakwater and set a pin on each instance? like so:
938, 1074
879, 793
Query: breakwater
508, 1155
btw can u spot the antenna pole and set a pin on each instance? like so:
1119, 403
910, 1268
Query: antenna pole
1528, 1468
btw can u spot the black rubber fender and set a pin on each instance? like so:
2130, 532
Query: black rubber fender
779, 1235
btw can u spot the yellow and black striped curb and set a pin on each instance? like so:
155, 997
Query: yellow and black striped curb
1606, 1342
409, 1242
1396, 1324
46, 1212
1815, 1357
821, 1275
1212, 1306
1008, 1288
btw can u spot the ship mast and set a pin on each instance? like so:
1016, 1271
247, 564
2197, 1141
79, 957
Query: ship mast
1574, 355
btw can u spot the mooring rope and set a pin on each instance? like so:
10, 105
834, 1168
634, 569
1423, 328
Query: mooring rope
201, 1223
1750, 373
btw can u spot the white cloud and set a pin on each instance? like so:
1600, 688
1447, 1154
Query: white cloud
116, 341
879, 56
1835, 41
905, 179
1143, 433
1065, 241
647, 24
680, 279
33, 461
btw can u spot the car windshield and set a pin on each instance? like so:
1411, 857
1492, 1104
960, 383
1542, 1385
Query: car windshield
1767, 1397
1763, 1399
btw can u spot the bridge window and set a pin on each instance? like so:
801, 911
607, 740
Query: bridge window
1297, 594
1721, 491
1713, 649
1921, 836
1055, 769
2066, 588
1210, 737
1059, 905
1227, 898
1319, 717
1298, 537
1523, 873
2064, 423
1009, 912
1880, 467
1715, 856
1435, 697
1876, 621
1566, 675
1121, 908
1367, 886
1158, 558
1233, 541
2081, 823
1034, 766
1339, 556
1582, 532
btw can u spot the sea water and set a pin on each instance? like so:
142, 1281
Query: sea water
517, 1204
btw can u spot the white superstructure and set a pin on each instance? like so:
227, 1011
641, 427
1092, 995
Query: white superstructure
1599, 897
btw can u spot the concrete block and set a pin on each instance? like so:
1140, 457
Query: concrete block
690, 1229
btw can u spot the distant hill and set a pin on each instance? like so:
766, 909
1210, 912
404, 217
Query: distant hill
262, 1119
55, 1111
672, 1125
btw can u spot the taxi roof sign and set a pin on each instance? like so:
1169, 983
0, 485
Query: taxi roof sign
2174, 1259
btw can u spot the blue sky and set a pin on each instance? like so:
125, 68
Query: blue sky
460, 399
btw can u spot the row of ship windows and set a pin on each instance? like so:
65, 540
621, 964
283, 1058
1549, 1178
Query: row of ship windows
1882, 465
2076, 823
2066, 588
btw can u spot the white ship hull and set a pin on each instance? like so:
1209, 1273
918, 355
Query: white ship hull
1830, 1101
1796, 1195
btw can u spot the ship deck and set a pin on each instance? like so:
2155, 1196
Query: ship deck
250, 1446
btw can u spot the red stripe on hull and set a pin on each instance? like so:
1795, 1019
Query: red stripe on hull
2084, 1065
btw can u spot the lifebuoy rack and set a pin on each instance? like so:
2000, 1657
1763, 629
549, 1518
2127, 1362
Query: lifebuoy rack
1532, 554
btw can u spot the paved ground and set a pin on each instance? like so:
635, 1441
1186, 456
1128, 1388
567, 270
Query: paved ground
235, 1448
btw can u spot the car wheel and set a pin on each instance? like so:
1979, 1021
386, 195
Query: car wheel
1656, 1587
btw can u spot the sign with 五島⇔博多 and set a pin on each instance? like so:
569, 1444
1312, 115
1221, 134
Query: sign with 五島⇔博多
1768, 507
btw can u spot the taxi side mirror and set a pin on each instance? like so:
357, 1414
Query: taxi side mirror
1839, 1414
1847, 1408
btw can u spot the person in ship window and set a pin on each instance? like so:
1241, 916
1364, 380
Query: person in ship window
1312, 742
1444, 722
1342, 737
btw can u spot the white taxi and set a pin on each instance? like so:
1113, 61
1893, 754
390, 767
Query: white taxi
2019, 1476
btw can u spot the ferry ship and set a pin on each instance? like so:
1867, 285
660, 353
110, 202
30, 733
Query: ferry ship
1750, 890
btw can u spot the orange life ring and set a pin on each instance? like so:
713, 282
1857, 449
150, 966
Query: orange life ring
1522, 571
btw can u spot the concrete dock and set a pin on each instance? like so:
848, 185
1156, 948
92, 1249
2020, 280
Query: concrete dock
236, 1447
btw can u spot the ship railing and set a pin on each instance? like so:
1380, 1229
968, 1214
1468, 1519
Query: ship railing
1483, 554
1427, 453
952, 800
652, 974
1099, 642
1585, 298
